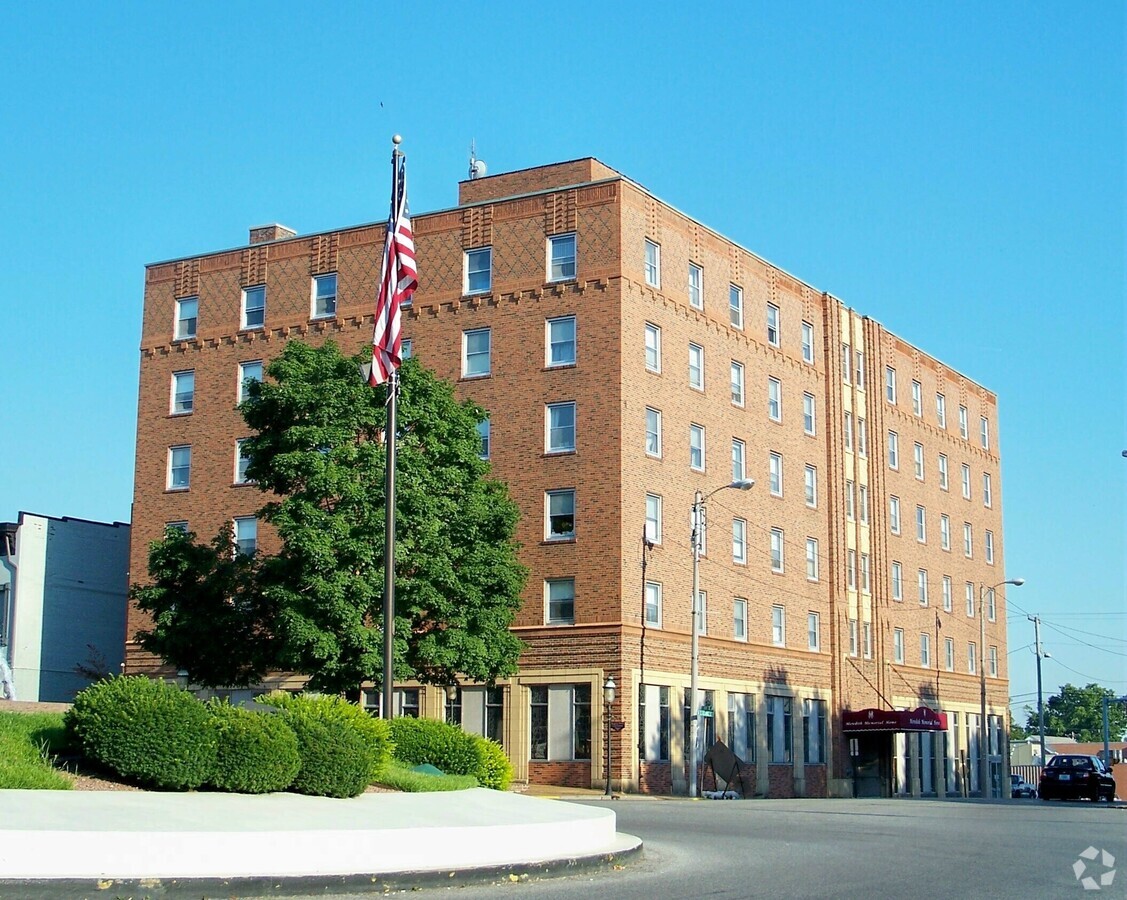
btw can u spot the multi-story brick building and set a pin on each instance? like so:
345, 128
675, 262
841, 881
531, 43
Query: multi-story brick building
630, 356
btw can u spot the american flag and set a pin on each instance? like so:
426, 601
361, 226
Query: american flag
398, 280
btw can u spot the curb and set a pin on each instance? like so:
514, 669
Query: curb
627, 850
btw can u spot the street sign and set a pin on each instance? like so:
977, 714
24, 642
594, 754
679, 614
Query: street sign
706, 712
617, 726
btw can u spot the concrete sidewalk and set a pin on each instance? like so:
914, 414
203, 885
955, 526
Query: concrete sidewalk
107, 843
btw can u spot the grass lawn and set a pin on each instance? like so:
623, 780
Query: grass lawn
399, 776
26, 739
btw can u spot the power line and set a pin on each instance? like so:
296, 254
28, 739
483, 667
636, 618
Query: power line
1084, 643
1091, 678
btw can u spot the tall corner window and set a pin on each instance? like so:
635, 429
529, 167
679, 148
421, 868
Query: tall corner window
187, 311
773, 325
777, 543
484, 431
183, 392
778, 626
808, 414
653, 518
179, 467
736, 305
739, 541
478, 270
653, 347
559, 601
890, 384
774, 399
696, 367
737, 379
476, 353
254, 306
561, 257
653, 431
560, 349
653, 604
653, 264
561, 427
696, 447
807, 343
696, 286
324, 295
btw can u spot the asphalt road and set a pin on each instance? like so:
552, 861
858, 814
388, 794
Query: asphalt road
863, 849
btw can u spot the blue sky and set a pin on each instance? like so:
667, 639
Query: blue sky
954, 170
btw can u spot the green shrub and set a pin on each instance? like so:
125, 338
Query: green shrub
343, 749
452, 750
146, 731
496, 771
257, 752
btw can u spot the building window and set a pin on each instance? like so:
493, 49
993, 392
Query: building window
941, 410
921, 579
696, 286
653, 603
772, 325
918, 460
850, 501
249, 372
890, 384
187, 311
808, 413
943, 482
183, 392
897, 581
949, 654
987, 493
867, 639
775, 474
561, 342
966, 481
807, 342
739, 467
945, 531
779, 734
863, 504
993, 657
776, 550
484, 431
921, 524
925, 650
964, 427
559, 598
741, 726
702, 612
654, 722
778, 626
739, 619
811, 559
182, 527
893, 450
917, 399
561, 427
561, 257
813, 632
989, 539
847, 429
242, 462
814, 731
478, 270
972, 658
851, 570
984, 432
696, 448
810, 481
968, 540
898, 645
653, 348
736, 305
739, 541
696, 367
852, 637
653, 518
947, 598
653, 431
560, 721
246, 536
324, 299
254, 306
653, 264
405, 351
476, 346
969, 593
179, 468
846, 363
862, 437
894, 514
560, 515
775, 399
737, 383
859, 370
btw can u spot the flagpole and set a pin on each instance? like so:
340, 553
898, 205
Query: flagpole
389, 488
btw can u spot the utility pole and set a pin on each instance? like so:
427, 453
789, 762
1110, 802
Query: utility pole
1036, 620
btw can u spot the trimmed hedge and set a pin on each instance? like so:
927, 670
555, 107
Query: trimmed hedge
145, 730
452, 750
343, 749
257, 752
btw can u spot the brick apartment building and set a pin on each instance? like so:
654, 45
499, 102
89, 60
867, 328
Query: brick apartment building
630, 356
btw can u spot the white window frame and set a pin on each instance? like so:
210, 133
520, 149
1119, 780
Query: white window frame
653, 432
564, 496
561, 265
653, 347
859, 370
968, 592
182, 398
922, 587
654, 516
184, 327
652, 263
242, 461
945, 531
941, 410
847, 430
866, 587
739, 460
925, 650
894, 451
557, 340
739, 541
968, 540
253, 317
890, 384
809, 412
696, 286
917, 398
988, 546
562, 598
737, 383
739, 619
485, 432
476, 262
853, 647
992, 656
944, 474
966, 481
851, 569
867, 639
696, 366
653, 610
777, 544
559, 429
245, 532
897, 581
245, 378
696, 447
179, 460
894, 514
862, 436
972, 658
810, 485
964, 423
947, 592
918, 460
811, 559
322, 301
472, 359
898, 646
779, 625
846, 363
813, 632
773, 329
921, 524
774, 399
987, 491
736, 305
808, 343
850, 500
775, 473
863, 504
949, 654
984, 432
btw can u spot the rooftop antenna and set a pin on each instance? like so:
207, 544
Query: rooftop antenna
477, 166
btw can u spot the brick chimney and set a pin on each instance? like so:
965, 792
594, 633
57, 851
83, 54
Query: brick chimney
260, 234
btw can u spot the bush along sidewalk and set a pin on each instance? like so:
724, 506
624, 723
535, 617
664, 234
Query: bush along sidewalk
456, 752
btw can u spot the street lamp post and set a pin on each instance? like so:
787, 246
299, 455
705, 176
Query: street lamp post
742, 484
608, 702
983, 730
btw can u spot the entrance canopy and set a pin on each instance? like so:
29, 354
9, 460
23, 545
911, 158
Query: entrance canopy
922, 719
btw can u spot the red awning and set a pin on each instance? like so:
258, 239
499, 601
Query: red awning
922, 719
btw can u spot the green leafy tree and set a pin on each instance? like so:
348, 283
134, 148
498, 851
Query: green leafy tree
209, 618
1017, 733
1079, 711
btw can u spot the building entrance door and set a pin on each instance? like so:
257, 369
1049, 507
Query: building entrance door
872, 764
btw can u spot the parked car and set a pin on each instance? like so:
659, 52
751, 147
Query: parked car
1068, 776
1019, 787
